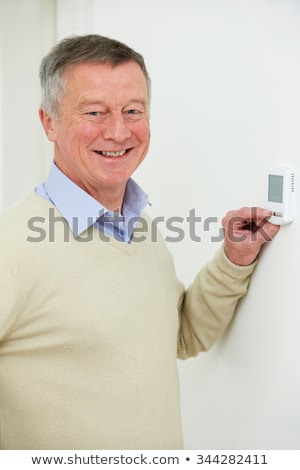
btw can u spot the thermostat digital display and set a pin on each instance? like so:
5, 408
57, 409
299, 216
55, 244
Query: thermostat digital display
275, 191
281, 195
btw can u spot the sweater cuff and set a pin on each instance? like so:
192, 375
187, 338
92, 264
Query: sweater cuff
232, 269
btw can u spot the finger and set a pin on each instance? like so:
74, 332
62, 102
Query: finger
269, 231
246, 218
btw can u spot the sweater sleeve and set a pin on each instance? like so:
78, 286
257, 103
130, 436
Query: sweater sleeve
209, 303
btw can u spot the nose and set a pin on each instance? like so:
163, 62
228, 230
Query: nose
116, 128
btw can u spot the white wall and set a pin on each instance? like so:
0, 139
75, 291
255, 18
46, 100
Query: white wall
26, 33
226, 105
1, 132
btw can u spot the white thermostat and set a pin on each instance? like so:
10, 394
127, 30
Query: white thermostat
281, 195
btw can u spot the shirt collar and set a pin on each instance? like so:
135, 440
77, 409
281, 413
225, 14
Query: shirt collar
80, 209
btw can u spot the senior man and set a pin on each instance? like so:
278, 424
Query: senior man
92, 315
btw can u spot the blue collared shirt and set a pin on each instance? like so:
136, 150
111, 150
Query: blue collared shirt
81, 210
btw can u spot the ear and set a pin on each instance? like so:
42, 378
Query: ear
48, 124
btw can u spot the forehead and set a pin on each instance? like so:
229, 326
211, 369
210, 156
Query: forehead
104, 80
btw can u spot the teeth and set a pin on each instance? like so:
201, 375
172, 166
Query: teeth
113, 154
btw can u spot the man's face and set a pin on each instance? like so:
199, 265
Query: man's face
102, 133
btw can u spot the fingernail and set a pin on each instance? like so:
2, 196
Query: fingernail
267, 213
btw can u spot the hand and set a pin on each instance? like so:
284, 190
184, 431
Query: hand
245, 231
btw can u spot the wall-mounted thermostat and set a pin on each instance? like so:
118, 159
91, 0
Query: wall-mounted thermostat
281, 195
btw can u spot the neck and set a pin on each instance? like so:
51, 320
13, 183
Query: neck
110, 197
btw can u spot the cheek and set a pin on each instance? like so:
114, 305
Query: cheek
143, 134
87, 133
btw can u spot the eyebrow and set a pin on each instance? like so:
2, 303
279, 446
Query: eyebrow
88, 102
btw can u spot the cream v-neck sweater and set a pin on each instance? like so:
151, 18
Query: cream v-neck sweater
90, 331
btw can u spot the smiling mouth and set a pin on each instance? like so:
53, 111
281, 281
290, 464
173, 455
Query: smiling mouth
112, 154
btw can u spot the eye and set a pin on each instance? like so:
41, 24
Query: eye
93, 113
134, 114
132, 111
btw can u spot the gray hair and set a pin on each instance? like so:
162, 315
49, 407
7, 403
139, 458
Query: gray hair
73, 50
